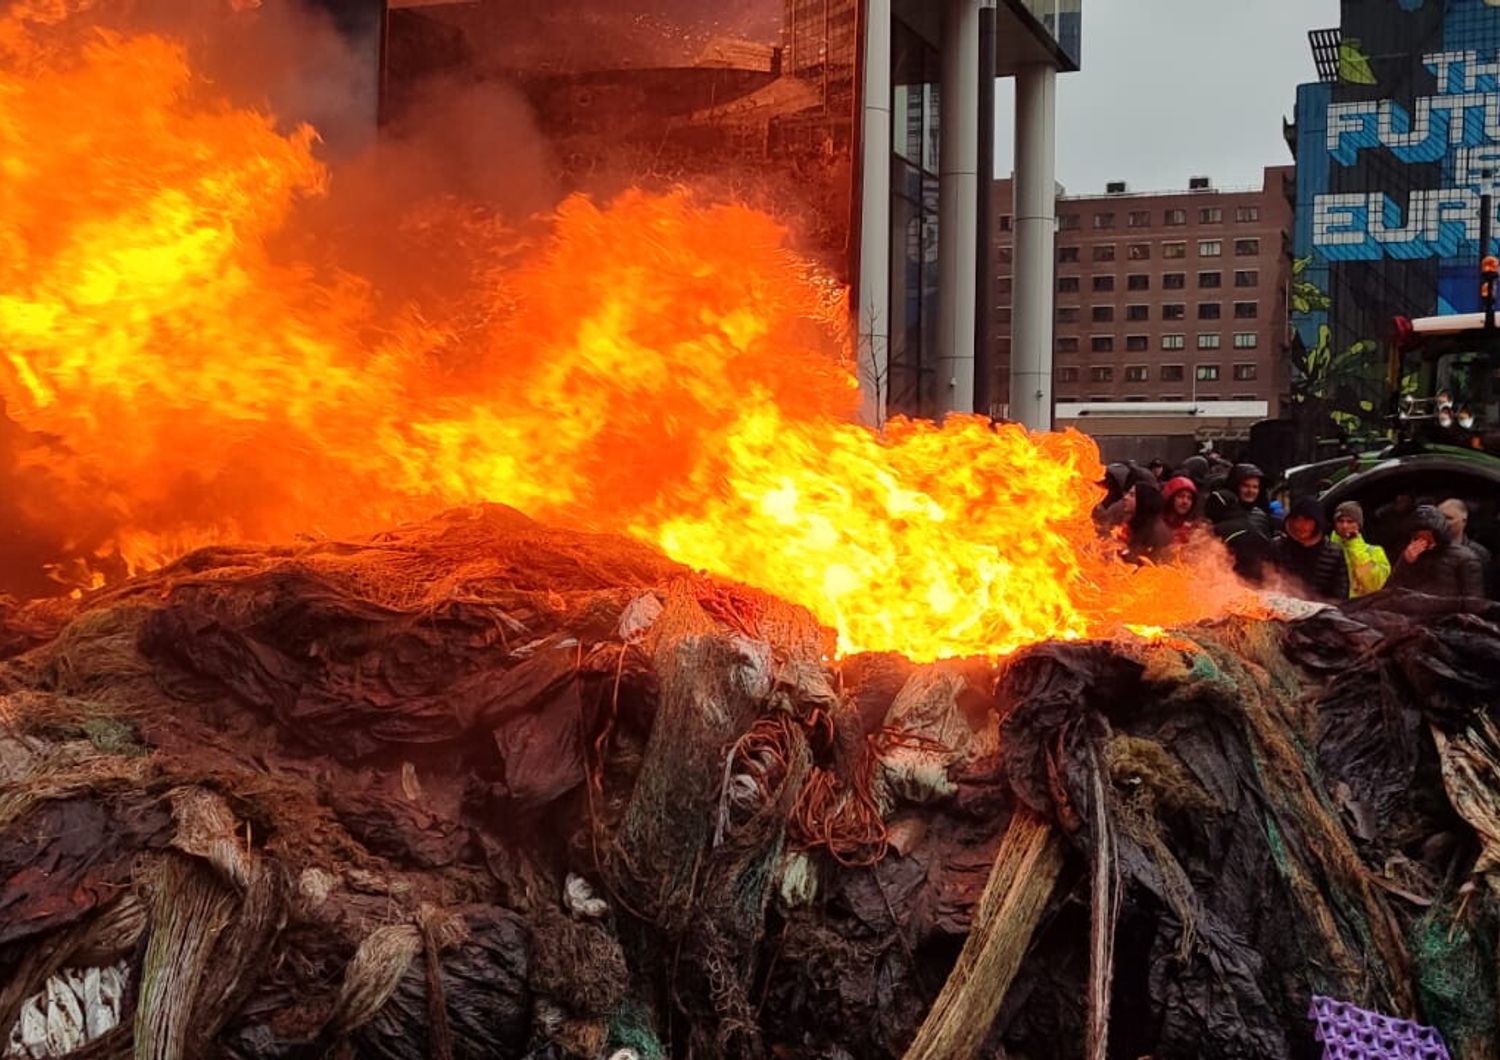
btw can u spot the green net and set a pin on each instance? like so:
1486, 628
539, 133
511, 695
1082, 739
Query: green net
1453, 959
631, 1029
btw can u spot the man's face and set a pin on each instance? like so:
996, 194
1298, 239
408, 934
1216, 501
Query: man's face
1250, 489
1302, 530
1457, 522
1182, 502
1346, 527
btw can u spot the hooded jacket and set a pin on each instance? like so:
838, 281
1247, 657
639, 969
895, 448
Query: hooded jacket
1118, 480
1244, 528
1224, 504
1195, 468
1445, 569
1320, 569
1181, 526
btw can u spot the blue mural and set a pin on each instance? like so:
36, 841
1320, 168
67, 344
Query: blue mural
1392, 158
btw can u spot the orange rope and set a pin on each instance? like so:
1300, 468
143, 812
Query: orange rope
739, 611
842, 818
845, 819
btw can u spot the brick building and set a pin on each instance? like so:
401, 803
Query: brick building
1171, 312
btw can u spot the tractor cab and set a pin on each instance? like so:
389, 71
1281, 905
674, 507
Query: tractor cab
1445, 372
1444, 378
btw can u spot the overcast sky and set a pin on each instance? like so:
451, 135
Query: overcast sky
1176, 88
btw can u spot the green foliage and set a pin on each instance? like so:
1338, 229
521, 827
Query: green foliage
1318, 371
1354, 65
1342, 387
1307, 297
1347, 422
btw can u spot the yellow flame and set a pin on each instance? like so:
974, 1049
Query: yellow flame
662, 367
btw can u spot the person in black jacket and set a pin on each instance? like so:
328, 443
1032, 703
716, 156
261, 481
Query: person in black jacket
1239, 520
1240, 497
1457, 514
1303, 553
1432, 563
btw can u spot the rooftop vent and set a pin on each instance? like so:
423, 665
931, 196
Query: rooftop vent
1199, 184
1325, 48
1115, 187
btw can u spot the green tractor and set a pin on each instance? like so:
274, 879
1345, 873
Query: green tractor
1441, 371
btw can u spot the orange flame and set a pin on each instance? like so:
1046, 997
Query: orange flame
661, 367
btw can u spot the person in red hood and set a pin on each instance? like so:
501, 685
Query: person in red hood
1180, 515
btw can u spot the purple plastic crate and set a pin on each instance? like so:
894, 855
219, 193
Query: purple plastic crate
1352, 1033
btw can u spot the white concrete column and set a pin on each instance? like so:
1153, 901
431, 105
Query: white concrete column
873, 288
958, 206
1035, 255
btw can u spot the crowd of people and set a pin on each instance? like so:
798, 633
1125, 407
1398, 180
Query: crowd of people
1157, 512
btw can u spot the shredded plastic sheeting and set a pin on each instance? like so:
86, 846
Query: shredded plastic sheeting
494, 790
1352, 1033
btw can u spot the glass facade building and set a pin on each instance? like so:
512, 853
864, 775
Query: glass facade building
770, 102
821, 37
916, 117
1063, 21
1026, 33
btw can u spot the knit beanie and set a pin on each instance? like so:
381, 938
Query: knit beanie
1350, 510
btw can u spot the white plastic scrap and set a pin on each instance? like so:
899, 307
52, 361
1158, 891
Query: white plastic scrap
103, 989
1288, 608
752, 671
581, 898
926, 706
527, 650
64, 1017
798, 882
29, 1037
638, 618
75, 1007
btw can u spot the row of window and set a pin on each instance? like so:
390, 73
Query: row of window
1170, 281
1244, 278
1243, 340
1136, 281
1105, 314
1207, 248
1197, 396
1169, 373
1207, 215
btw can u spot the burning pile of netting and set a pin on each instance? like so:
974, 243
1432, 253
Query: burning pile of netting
478, 788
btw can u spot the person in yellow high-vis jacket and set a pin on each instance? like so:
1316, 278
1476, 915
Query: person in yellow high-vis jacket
1368, 566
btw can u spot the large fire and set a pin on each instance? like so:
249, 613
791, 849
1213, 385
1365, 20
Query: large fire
659, 366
